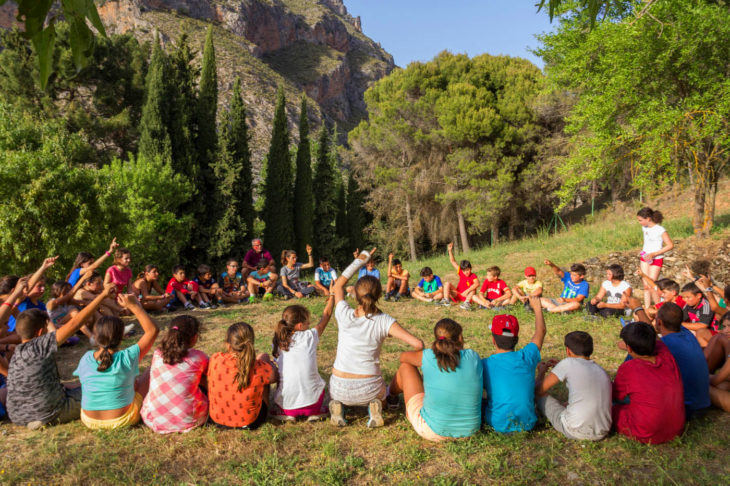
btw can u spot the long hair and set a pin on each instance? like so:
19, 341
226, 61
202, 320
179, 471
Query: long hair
59, 287
240, 337
147, 269
285, 254
368, 291
447, 344
656, 216
108, 333
8, 283
292, 315
81, 258
176, 342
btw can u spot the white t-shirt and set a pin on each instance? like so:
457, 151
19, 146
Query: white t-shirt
359, 340
614, 293
299, 382
589, 397
653, 239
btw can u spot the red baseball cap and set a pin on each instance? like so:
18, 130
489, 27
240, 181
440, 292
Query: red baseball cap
530, 271
505, 325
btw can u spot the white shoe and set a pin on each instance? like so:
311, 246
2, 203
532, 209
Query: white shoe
465, 306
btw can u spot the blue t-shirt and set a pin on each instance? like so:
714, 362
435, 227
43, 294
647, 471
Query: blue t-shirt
452, 404
371, 273
25, 305
206, 284
692, 366
259, 277
324, 278
571, 289
432, 286
74, 277
509, 380
112, 388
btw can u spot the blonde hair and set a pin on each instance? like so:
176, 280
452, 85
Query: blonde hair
368, 291
240, 337
292, 315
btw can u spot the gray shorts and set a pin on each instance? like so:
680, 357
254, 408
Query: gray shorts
554, 410
360, 391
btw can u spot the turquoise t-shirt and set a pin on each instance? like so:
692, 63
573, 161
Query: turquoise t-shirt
432, 286
452, 404
112, 388
509, 380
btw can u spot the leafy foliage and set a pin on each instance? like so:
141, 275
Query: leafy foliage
154, 140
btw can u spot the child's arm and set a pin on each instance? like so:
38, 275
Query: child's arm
473, 287
706, 286
107, 277
544, 383
668, 245
69, 297
341, 281
556, 269
310, 261
90, 269
390, 265
637, 310
68, 329
36, 277
414, 358
452, 260
398, 332
130, 302
6, 309
540, 329
326, 314
599, 296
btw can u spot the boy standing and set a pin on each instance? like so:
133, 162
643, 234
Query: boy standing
509, 375
588, 414
575, 290
429, 288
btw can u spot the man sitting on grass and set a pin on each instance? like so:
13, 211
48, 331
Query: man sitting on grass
575, 290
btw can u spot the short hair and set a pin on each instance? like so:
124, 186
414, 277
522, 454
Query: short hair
578, 268
396, 261
671, 316
231, 260
464, 264
426, 272
323, 259
263, 263
507, 343
494, 271
617, 271
701, 267
203, 269
640, 337
580, 343
667, 284
29, 322
93, 277
691, 287
726, 293
177, 268
255, 240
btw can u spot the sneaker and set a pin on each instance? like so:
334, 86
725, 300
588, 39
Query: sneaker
251, 299
268, 296
204, 305
284, 418
465, 306
337, 413
129, 329
429, 299
445, 302
392, 402
483, 306
213, 305
316, 418
375, 412
387, 298
396, 298
35, 425
189, 306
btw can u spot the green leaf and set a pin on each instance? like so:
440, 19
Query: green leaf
43, 43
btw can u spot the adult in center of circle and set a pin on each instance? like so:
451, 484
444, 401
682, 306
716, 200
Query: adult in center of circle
254, 256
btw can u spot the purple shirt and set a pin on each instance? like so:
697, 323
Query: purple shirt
253, 258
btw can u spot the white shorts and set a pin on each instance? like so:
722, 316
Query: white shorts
359, 391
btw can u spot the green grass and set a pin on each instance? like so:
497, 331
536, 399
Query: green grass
322, 454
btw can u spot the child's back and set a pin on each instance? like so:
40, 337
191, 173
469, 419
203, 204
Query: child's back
359, 340
300, 384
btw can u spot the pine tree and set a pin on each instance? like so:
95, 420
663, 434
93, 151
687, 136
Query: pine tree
154, 138
277, 213
182, 101
356, 219
303, 198
325, 204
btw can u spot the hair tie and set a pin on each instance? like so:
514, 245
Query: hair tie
441, 338
175, 328
105, 348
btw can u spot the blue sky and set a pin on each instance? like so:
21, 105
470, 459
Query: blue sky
414, 30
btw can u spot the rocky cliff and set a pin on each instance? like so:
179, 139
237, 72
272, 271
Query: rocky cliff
310, 46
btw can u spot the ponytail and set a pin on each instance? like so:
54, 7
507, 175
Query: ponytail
108, 333
656, 216
240, 337
448, 344
176, 343
292, 315
368, 290
285, 254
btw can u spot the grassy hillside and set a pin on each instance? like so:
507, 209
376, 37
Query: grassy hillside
322, 454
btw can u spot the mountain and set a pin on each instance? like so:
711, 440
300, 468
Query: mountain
307, 46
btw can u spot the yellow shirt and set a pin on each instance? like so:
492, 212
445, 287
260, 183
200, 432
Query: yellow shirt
528, 288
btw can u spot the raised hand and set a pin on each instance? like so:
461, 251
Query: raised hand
48, 262
372, 252
128, 301
548, 263
390, 257
109, 288
113, 245
20, 286
450, 247
356, 253
309, 249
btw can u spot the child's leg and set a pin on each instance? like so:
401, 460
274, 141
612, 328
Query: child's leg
720, 396
181, 297
390, 285
408, 381
142, 383
252, 287
478, 299
567, 307
716, 352
403, 289
592, 308
547, 304
419, 295
469, 296
438, 295
154, 305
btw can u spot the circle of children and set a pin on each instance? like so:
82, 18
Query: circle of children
676, 365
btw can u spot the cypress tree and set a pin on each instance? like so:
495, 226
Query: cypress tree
237, 144
277, 213
325, 204
355, 214
183, 76
207, 139
303, 198
154, 138
341, 222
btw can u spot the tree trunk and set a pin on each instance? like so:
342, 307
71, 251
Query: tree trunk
698, 217
411, 235
514, 220
495, 234
462, 231
594, 194
455, 239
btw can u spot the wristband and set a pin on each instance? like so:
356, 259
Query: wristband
107, 253
634, 311
356, 264
8, 304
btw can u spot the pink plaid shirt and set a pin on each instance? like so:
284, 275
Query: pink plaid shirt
175, 403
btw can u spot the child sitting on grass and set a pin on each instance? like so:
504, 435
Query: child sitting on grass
368, 270
36, 287
35, 395
144, 285
529, 287
575, 290
261, 282
92, 287
467, 286
397, 285
509, 375
588, 414
494, 292
430, 288
647, 390
111, 392
175, 401
210, 291
184, 291
615, 289
356, 375
717, 355
447, 401
290, 284
301, 390
239, 381
85, 263
232, 283
119, 273
324, 275
698, 315
61, 308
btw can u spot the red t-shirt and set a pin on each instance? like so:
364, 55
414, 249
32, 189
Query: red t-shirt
182, 287
655, 412
465, 282
678, 300
227, 405
494, 289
